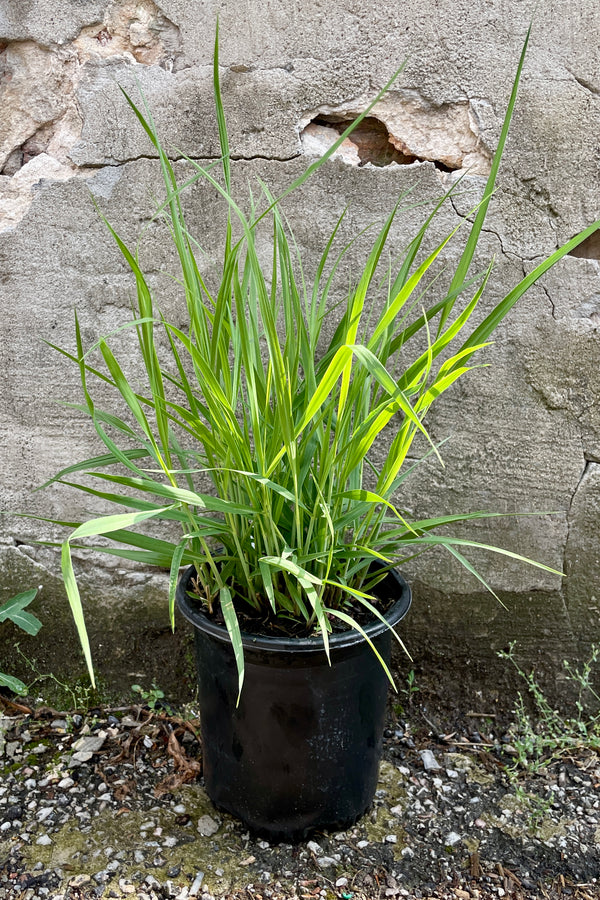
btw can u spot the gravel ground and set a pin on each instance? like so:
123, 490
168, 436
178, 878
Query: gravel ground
110, 804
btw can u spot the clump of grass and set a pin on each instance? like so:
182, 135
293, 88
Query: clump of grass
300, 412
546, 736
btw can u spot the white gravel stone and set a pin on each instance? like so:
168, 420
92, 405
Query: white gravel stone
44, 840
430, 763
452, 838
326, 862
207, 826
196, 884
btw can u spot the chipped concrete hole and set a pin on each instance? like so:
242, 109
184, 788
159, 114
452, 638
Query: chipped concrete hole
370, 142
403, 129
588, 249
41, 122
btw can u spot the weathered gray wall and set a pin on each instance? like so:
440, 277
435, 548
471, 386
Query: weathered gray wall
525, 432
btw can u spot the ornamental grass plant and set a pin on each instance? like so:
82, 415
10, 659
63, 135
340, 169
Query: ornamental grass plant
253, 395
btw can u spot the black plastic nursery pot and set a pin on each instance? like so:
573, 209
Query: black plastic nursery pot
301, 751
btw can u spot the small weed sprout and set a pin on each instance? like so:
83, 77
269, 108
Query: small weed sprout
151, 698
534, 807
80, 695
552, 735
412, 687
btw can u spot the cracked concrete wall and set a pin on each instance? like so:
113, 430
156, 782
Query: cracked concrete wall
525, 433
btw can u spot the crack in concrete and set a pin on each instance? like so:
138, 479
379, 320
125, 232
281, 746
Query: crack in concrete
39, 84
584, 83
18, 193
42, 122
588, 461
507, 253
549, 298
115, 164
543, 287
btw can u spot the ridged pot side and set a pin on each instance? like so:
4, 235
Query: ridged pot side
302, 749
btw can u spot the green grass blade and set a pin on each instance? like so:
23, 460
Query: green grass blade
233, 627
95, 462
348, 620
106, 524
491, 322
473, 239
176, 563
76, 607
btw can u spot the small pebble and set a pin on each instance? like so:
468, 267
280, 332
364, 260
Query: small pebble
430, 763
196, 884
452, 839
207, 826
325, 862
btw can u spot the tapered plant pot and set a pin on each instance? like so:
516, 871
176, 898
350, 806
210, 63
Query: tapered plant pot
301, 751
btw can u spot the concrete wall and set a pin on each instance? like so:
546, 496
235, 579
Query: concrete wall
525, 433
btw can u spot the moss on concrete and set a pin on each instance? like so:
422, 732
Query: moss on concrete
83, 850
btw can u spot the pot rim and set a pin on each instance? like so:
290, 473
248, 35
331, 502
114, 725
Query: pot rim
294, 645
